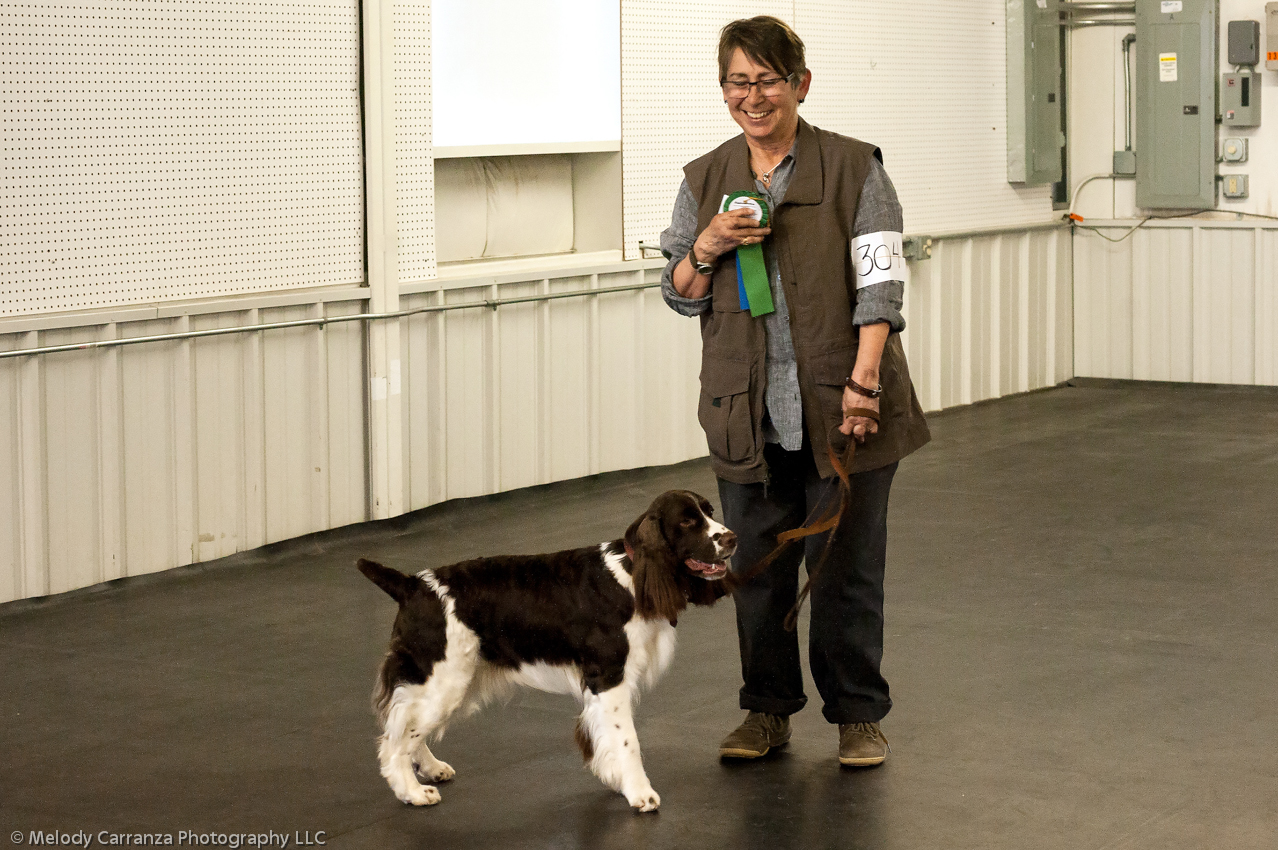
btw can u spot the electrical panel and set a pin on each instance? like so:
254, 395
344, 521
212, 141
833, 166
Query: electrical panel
1240, 99
1244, 42
1034, 134
1271, 36
1176, 79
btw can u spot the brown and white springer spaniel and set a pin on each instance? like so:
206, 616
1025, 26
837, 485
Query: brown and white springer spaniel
597, 623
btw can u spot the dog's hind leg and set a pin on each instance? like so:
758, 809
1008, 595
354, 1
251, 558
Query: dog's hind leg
608, 718
399, 739
429, 768
415, 714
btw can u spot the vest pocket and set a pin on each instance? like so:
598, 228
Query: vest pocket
724, 408
829, 372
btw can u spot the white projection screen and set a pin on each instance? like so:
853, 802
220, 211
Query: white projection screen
526, 72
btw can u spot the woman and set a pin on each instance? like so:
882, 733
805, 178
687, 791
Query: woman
777, 385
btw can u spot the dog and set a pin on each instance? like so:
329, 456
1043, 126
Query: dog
597, 623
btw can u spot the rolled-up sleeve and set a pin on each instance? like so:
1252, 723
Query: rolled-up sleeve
879, 210
676, 242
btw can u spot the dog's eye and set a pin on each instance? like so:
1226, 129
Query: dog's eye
688, 523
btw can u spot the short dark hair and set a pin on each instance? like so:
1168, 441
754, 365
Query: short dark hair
767, 41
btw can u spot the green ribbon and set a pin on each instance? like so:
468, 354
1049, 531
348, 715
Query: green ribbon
751, 270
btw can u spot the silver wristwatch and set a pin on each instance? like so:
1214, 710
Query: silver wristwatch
706, 269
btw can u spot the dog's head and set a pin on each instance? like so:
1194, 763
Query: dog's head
679, 554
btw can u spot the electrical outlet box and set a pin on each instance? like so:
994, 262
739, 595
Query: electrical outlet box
1034, 134
1175, 105
1240, 99
1125, 163
917, 248
1244, 43
1271, 36
1234, 186
1234, 150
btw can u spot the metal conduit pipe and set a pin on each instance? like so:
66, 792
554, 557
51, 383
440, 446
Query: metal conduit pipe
492, 303
1112, 22
1099, 7
1108, 22
1128, 41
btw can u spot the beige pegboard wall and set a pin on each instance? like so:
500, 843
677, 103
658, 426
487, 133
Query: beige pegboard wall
925, 81
167, 149
671, 107
414, 152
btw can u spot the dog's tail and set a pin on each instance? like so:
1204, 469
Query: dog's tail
397, 585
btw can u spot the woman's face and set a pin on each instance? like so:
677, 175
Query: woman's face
767, 120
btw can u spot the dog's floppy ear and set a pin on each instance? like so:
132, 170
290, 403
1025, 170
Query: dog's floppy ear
657, 593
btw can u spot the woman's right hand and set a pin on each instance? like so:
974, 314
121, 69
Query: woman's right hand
727, 232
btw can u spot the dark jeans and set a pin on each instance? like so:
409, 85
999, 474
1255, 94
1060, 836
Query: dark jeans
845, 639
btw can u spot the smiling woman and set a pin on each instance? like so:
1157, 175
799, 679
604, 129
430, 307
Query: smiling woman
800, 352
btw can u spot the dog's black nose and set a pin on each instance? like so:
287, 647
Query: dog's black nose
725, 539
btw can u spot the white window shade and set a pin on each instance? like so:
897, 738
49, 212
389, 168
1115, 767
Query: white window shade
504, 206
541, 75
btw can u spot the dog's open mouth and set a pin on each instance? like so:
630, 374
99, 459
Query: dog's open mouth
715, 570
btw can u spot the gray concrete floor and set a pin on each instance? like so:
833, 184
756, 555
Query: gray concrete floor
1082, 644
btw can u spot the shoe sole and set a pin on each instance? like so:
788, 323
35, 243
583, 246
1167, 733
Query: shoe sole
873, 761
733, 753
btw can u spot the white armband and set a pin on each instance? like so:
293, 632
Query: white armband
877, 258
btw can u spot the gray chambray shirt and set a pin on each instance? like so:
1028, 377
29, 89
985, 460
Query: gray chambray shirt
878, 209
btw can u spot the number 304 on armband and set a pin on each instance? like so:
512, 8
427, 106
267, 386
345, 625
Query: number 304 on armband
878, 257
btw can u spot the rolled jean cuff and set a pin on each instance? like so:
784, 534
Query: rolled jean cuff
854, 711
772, 705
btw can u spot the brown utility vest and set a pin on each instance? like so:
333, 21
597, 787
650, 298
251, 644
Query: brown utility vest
811, 236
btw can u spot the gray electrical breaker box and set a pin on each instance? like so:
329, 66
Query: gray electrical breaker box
1034, 134
1240, 99
1176, 78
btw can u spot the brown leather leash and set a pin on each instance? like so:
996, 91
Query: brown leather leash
814, 524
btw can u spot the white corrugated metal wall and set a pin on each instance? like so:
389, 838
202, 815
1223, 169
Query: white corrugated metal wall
131, 460
1178, 301
141, 458
989, 316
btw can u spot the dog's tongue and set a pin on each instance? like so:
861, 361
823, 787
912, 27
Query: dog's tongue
703, 567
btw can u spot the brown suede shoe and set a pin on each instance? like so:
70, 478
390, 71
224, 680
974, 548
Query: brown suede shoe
862, 745
755, 736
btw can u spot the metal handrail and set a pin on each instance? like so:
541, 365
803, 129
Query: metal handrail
491, 303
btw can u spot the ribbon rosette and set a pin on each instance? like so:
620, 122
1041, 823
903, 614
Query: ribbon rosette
752, 274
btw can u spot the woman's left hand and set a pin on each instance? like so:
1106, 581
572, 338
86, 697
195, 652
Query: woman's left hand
858, 427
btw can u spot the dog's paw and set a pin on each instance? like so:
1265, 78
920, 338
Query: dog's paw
438, 772
422, 795
645, 800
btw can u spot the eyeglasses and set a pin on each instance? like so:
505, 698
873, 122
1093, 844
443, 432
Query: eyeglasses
768, 88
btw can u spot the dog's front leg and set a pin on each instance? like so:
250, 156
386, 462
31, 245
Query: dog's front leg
609, 718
